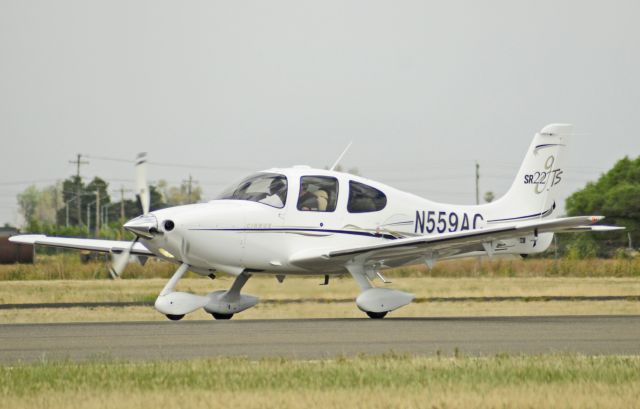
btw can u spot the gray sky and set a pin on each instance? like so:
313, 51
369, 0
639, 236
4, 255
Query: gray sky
422, 88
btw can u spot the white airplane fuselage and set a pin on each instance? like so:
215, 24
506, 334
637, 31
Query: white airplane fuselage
240, 235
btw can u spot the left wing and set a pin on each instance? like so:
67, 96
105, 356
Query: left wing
104, 246
443, 244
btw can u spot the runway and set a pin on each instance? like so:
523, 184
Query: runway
320, 338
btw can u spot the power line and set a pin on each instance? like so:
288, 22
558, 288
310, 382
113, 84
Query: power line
28, 182
169, 164
110, 159
477, 183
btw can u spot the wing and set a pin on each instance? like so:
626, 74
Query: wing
104, 246
442, 245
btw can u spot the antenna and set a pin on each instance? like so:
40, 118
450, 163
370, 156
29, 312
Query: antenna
341, 155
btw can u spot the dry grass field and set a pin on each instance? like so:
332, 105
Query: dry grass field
315, 301
67, 266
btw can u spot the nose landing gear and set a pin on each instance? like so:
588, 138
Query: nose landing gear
220, 304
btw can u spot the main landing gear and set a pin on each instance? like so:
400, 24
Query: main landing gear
220, 316
377, 315
376, 302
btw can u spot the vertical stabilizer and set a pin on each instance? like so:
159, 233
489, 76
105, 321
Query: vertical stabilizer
537, 187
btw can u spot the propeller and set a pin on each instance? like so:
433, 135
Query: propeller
142, 187
120, 261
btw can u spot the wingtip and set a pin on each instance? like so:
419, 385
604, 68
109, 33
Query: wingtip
26, 238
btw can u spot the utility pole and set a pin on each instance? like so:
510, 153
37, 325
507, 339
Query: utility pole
189, 183
55, 203
121, 203
78, 162
122, 213
479, 263
477, 183
97, 211
66, 206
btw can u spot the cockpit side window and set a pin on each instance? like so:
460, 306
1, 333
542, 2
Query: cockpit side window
266, 188
318, 193
363, 198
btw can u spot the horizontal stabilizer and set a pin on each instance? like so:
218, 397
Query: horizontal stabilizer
598, 228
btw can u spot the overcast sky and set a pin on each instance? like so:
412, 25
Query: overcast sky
424, 89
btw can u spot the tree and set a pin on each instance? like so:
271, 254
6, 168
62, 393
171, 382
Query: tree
73, 196
28, 202
188, 192
98, 184
616, 194
39, 204
489, 196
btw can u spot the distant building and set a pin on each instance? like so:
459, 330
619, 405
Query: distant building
12, 252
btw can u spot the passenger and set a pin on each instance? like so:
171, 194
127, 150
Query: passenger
307, 200
323, 199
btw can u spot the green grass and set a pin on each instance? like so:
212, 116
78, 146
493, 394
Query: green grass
389, 370
451, 381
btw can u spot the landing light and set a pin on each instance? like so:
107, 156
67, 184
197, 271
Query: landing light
165, 253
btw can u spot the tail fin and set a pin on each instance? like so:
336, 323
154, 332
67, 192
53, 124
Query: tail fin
538, 185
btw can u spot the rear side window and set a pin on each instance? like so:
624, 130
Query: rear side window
363, 198
318, 193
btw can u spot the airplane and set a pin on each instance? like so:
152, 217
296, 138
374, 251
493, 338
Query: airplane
306, 221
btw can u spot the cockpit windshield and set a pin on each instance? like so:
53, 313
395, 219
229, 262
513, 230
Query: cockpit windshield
266, 188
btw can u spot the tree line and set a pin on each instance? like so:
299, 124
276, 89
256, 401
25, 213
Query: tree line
75, 208
616, 195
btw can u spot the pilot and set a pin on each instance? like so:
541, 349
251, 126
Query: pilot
277, 193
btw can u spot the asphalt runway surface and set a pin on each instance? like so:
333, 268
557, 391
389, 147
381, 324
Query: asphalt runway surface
319, 338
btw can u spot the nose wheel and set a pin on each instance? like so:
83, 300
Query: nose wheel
173, 317
220, 316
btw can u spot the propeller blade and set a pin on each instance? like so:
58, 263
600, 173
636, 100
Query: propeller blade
121, 260
142, 187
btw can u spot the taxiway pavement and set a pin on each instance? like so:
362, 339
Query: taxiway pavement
320, 338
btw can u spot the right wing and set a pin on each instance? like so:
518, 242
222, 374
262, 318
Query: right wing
447, 244
104, 246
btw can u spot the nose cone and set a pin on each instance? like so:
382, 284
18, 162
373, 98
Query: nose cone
143, 226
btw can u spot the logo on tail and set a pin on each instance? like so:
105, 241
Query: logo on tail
548, 176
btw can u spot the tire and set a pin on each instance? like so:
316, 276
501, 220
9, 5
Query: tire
220, 316
175, 317
376, 315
